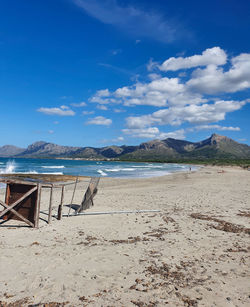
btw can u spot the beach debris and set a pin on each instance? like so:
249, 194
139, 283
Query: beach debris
244, 213
221, 224
18, 303
168, 219
35, 243
53, 304
130, 240
189, 302
142, 304
157, 233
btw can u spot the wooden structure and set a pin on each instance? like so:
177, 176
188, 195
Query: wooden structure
22, 198
22, 202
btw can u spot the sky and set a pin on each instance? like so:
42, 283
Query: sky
114, 72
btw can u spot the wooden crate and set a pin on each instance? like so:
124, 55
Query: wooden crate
27, 198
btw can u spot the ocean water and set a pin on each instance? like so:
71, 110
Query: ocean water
90, 168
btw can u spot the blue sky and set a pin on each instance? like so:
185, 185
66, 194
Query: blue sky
102, 72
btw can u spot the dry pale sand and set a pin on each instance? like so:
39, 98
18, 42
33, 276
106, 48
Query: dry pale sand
195, 252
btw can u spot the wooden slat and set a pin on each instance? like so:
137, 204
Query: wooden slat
38, 201
9, 180
50, 204
59, 215
73, 196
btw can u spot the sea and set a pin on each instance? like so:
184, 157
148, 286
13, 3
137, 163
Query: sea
113, 169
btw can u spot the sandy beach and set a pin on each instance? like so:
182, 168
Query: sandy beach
195, 252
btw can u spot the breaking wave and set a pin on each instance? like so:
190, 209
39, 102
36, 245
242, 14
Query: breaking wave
120, 169
53, 166
102, 173
9, 168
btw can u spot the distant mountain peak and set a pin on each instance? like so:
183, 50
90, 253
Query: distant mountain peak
215, 147
219, 137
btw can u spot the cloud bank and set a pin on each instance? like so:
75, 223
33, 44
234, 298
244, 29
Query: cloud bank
191, 98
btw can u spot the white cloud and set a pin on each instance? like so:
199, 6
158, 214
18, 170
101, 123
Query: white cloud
99, 120
159, 92
152, 65
87, 112
51, 131
132, 20
118, 139
193, 114
215, 56
78, 105
119, 110
214, 127
139, 122
213, 80
101, 97
177, 134
154, 133
154, 76
61, 111
103, 93
63, 107
102, 107
142, 132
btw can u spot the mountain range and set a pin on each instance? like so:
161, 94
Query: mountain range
215, 147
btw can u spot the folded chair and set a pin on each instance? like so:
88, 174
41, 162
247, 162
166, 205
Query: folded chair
89, 195
87, 201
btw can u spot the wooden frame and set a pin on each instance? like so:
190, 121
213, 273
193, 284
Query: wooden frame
22, 202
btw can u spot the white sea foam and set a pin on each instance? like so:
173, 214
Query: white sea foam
53, 166
29, 172
112, 170
102, 172
1, 163
128, 169
148, 166
9, 169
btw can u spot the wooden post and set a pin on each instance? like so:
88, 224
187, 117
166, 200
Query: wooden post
50, 204
59, 215
73, 195
38, 203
